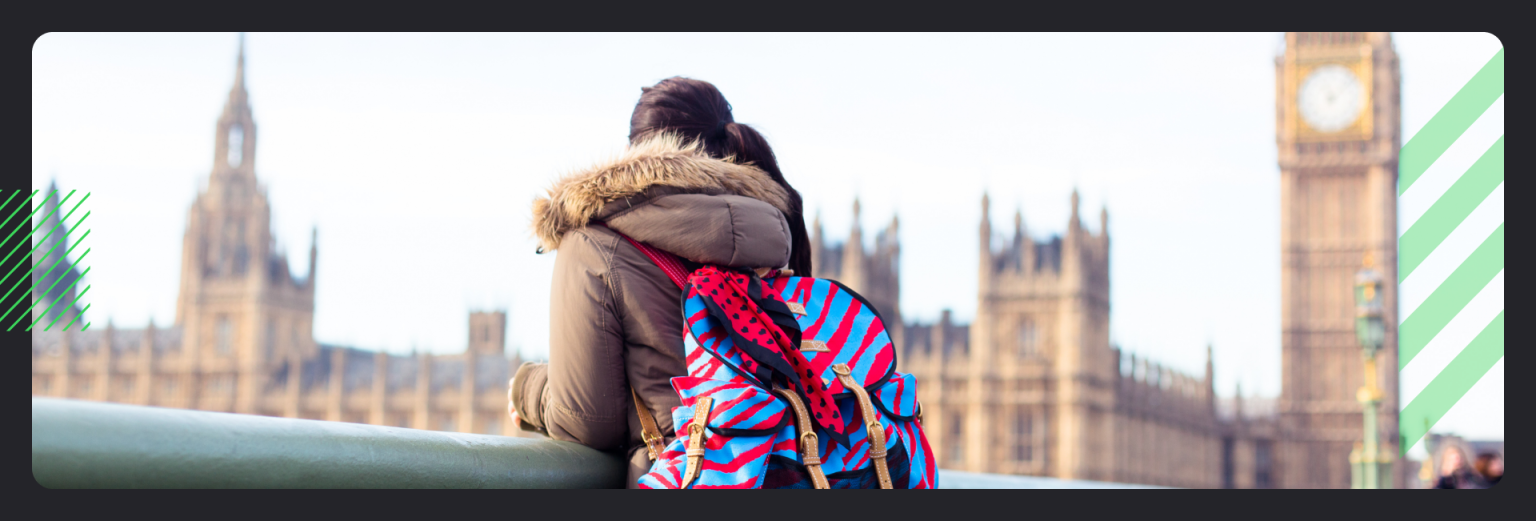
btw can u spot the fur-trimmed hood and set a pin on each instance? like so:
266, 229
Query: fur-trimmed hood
659, 166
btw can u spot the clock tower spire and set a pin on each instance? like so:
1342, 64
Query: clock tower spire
1338, 136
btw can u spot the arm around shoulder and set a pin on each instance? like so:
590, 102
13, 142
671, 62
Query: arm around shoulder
586, 390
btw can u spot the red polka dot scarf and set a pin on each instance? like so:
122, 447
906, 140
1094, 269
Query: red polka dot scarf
763, 327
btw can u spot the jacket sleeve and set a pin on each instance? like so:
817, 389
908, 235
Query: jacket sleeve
585, 395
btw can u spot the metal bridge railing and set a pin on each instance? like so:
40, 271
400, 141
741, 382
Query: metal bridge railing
81, 444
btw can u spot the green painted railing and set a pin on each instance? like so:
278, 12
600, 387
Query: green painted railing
78, 444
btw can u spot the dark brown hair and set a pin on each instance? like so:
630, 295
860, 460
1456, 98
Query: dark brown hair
696, 110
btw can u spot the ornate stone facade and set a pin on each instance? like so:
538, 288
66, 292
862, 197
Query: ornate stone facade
1033, 386
242, 339
1338, 203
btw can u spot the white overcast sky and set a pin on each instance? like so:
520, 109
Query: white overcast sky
417, 156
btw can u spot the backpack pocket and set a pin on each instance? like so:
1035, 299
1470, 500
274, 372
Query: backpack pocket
741, 426
897, 401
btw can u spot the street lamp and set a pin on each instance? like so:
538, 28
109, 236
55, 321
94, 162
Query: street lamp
1367, 460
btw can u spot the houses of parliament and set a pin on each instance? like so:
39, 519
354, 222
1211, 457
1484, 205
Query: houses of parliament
242, 340
1032, 386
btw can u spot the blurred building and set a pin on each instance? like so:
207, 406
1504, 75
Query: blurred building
1034, 386
55, 279
242, 340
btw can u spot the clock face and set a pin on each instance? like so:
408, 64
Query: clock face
1330, 98
236, 144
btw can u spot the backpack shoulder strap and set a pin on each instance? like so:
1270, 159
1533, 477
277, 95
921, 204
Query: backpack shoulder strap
668, 262
649, 431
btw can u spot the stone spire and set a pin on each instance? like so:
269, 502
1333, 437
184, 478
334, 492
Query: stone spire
240, 65
314, 244
1018, 222
1210, 367
235, 143
1076, 221
1210, 376
856, 235
237, 92
54, 277
816, 230
853, 270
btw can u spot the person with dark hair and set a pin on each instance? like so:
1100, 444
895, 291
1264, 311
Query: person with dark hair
692, 182
1490, 466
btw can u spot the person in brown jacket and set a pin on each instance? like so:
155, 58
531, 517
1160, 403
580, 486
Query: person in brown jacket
693, 183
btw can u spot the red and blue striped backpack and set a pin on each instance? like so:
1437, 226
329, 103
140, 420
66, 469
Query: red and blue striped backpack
791, 383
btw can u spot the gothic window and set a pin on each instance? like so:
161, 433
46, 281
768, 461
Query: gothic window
1029, 339
957, 438
1024, 436
223, 331
1262, 464
1227, 465
220, 384
127, 385
446, 424
236, 145
493, 425
270, 347
242, 254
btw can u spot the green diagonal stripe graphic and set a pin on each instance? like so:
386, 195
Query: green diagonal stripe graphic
18, 207
55, 245
66, 290
1450, 210
1452, 295
1450, 122
82, 311
1452, 383
41, 268
72, 304
34, 268
23, 224
50, 290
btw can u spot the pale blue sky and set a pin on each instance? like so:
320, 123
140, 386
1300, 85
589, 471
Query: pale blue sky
417, 157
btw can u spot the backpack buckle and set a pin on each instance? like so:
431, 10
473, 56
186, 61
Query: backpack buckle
653, 445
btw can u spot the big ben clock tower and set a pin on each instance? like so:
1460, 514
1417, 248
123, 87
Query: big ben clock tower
1338, 132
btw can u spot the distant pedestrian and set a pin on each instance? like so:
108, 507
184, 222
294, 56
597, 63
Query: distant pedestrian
1490, 466
1455, 472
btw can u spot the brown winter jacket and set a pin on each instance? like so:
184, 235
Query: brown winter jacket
615, 318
